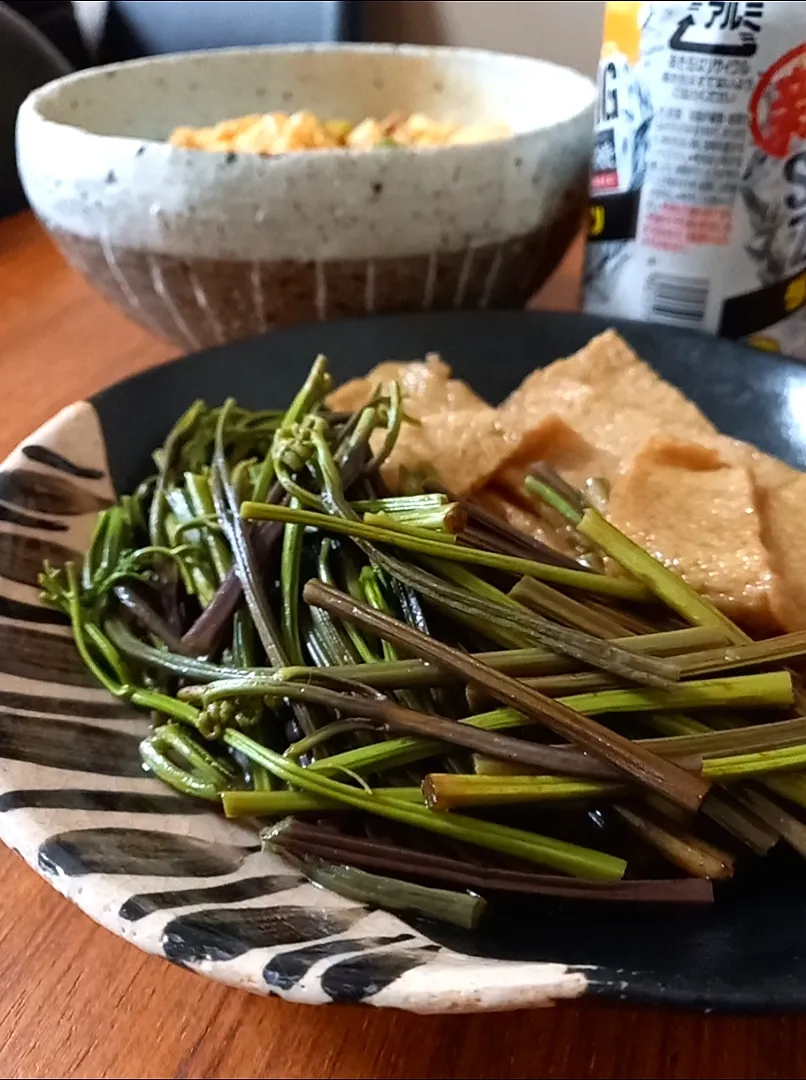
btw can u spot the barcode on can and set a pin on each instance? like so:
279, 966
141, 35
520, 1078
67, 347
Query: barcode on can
677, 299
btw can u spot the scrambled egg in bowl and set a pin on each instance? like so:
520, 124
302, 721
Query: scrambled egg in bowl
280, 133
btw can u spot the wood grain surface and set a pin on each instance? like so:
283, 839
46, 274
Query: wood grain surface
75, 1001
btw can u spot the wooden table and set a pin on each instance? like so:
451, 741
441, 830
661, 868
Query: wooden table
75, 1001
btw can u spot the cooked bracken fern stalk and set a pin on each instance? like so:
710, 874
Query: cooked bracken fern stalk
314, 651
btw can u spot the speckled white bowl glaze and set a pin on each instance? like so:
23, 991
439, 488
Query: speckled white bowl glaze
206, 247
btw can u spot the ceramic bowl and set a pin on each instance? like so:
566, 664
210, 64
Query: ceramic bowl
206, 247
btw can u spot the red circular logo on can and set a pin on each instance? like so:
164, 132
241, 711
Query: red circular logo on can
778, 104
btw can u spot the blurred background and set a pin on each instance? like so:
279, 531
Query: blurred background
565, 32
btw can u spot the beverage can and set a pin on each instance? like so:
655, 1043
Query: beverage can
698, 177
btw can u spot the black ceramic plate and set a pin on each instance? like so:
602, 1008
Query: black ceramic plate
184, 884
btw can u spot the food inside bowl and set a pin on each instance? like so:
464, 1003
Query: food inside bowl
443, 649
280, 133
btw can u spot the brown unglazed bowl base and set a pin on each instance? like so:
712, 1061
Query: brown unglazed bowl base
196, 302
